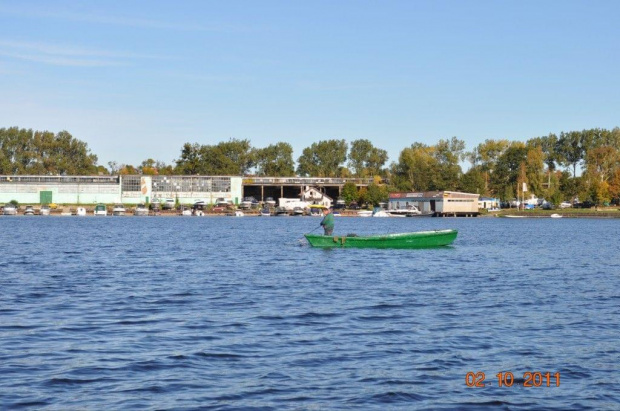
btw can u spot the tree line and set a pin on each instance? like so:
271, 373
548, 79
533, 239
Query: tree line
548, 164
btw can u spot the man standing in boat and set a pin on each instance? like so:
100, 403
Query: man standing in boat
328, 221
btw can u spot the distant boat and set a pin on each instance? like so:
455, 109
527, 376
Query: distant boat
298, 211
556, 215
281, 212
264, 212
81, 211
141, 210
420, 239
119, 210
270, 202
45, 210
364, 213
29, 210
100, 209
10, 209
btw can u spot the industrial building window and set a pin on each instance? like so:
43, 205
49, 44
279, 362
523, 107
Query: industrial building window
130, 184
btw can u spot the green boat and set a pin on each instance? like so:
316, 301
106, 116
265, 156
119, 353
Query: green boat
420, 239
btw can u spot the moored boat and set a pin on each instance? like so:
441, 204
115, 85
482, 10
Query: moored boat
100, 209
420, 239
141, 210
80, 211
9, 209
118, 210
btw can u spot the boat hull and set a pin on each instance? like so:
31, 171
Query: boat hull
421, 239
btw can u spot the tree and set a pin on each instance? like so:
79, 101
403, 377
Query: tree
365, 159
473, 181
323, 159
417, 168
275, 160
569, 150
42, 152
376, 194
507, 169
448, 154
233, 157
349, 192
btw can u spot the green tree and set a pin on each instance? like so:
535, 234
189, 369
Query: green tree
570, 150
233, 157
275, 160
349, 192
365, 159
473, 181
25, 151
376, 194
507, 170
323, 159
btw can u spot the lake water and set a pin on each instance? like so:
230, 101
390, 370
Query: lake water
240, 313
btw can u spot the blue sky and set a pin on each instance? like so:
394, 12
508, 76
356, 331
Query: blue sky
138, 79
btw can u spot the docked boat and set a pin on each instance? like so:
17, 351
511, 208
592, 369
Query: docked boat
420, 239
270, 202
80, 211
44, 210
364, 213
29, 210
9, 209
556, 215
248, 202
119, 210
298, 211
281, 212
100, 209
264, 212
236, 213
380, 213
141, 210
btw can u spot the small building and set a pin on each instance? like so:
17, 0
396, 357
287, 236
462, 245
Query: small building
437, 203
488, 203
315, 197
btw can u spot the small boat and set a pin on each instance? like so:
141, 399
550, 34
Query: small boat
264, 212
556, 215
141, 210
10, 209
364, 213
281, 212
100, 209
238, 213
118, 210
29, 210
298, 211
45, 210
80, 211
420, 239
270, 202
380, 213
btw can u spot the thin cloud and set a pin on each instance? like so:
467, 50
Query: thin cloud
115, 20
64, 55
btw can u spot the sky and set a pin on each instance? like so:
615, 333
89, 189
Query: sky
138, 79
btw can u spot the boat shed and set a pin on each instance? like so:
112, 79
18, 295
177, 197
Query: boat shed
438, 203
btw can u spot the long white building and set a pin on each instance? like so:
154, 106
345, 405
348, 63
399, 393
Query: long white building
132, 189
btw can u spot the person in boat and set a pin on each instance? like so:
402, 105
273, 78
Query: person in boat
328, 221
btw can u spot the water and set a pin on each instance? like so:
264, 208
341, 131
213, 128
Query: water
240, 313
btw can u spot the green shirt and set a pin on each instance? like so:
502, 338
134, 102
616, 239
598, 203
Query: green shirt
328, 221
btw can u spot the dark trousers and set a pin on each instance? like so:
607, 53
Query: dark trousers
328, 231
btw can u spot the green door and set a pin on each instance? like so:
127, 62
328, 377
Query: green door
45, 197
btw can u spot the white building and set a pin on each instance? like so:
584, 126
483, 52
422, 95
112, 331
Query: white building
438, 203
